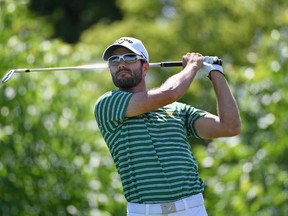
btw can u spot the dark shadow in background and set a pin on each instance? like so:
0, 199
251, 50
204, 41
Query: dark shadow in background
70, 17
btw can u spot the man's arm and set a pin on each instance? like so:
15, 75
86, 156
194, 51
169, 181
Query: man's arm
170, 91
227, 121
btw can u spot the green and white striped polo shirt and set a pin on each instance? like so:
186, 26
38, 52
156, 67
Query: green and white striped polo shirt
151, 151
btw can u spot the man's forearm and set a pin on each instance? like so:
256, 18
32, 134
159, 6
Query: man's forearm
180, 82
226, 104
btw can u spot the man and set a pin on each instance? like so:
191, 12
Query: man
146, 130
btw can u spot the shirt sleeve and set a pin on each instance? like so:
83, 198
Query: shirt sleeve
192, 114
110, 110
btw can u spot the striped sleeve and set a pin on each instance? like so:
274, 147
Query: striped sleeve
192, 114
110, 109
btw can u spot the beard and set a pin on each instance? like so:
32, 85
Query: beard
127, 82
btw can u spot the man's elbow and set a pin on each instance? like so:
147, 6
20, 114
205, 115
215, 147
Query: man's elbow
234, 130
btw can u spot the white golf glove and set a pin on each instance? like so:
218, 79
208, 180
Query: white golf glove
210, 59
208, 65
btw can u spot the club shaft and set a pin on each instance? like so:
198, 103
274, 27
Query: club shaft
83, 67
90, 67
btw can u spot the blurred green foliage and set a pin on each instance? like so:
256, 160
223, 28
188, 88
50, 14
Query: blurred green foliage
53, 160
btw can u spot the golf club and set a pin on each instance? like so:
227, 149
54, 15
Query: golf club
10, 74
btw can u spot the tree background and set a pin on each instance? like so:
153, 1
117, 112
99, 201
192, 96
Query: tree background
53, 160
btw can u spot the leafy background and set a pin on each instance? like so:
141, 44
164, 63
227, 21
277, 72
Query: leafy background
53, 160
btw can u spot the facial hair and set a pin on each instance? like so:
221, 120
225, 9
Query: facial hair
127, 82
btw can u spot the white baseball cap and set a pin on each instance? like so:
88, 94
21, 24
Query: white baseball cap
133, 44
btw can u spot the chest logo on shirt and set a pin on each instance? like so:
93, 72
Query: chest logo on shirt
170, 114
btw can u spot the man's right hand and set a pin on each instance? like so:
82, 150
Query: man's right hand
193, 58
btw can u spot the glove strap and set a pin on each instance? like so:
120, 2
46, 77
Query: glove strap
209, 75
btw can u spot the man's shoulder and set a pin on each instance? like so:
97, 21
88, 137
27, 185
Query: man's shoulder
111, 94
113, 99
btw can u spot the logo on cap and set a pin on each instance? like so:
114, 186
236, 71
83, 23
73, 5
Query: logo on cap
122, 40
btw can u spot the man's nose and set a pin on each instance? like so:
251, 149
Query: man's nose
122, 63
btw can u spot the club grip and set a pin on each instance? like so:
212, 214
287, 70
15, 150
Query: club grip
218, 62
171, 64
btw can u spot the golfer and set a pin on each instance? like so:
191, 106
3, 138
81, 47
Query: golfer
147, 131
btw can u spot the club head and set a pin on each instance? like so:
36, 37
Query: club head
8, 76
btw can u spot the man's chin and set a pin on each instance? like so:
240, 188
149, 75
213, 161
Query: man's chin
125, 85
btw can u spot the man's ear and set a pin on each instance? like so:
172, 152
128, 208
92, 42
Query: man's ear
145, 67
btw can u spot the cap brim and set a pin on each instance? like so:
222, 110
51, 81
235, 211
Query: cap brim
108, 52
